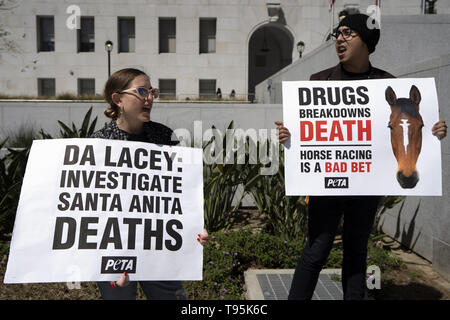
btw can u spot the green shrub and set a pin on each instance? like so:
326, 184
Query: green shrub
13, 164
22, 137
62, 96
4, 250
229, 253
381, 256
377, 254
71, 96
12, 169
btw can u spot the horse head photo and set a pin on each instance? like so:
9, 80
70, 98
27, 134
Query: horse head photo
406, 126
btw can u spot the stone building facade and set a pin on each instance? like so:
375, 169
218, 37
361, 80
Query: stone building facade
190, 48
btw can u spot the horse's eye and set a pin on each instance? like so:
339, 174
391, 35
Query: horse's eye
421, 126
389, 126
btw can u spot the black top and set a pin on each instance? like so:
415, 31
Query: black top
339, 73
346, 75
153, 132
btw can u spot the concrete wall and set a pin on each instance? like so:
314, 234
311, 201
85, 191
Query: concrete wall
411, 47
423, 223
45, 113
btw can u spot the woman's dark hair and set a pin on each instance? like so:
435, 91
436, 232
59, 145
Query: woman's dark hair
117, 82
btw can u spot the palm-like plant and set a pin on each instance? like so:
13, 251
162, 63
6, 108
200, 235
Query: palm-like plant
221, 181
13, 164
12, 169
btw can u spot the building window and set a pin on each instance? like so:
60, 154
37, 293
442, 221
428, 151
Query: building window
86, 35
86, 87
207, 88
167, 88
167, 35
430, 6
45, 34
46, 87
126, 35
207, 35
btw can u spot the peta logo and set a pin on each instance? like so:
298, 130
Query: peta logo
118, 265
336, 183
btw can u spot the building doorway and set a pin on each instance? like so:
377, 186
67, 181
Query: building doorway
270, 50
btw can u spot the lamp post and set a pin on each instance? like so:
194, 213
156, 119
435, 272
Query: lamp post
108, 48
300, 48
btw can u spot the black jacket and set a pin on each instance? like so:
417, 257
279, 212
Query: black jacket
154, 132
337, 73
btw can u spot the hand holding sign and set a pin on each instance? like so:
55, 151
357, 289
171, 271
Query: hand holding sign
203, 238
283, 133
123, 281
440, 129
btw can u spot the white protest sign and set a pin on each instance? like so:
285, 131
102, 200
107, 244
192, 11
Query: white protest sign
91, 209
368, 137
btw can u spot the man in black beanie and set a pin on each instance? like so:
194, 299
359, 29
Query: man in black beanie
355, 41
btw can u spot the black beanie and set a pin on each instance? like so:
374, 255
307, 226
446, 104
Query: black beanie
358, 22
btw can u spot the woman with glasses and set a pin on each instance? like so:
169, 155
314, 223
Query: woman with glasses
130, 96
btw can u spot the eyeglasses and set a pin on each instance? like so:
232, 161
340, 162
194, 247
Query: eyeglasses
347, 34
144, 92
